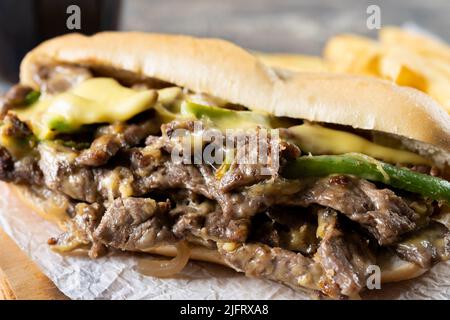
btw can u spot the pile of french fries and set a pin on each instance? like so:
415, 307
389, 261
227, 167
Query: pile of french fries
404, 57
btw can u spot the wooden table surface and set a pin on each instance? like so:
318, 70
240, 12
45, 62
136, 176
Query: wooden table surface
20, 278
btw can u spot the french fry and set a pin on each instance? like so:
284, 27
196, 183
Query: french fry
408, 68
425, 46
402, 57
293, 62
397, 58
352, 54
401, 74
440, 65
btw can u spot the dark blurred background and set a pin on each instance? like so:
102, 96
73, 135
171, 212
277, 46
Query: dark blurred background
26, 23
280, 25
300, 26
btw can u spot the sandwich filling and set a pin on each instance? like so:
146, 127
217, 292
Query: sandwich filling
124, 165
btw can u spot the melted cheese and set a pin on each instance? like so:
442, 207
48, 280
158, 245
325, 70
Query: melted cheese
224, 119
15, 146
320, 140
97, 100
104, 100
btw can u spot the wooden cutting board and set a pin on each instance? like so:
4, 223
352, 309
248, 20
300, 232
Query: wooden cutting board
20, 278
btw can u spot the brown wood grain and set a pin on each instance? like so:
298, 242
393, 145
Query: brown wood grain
20, 278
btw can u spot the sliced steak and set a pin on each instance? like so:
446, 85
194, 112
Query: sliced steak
382, 213
255, 160
59, 78
344, 256
14, 128
113, 138
227, 228
5, 106
385, 215
115, 183
21, 166
57, 164
176, 176
87, 217
100, 151
16, 96
80, 230
297, 228
240, 175
257, 260
135, 224
153, 170
190, 212
6, 165
264, 230
426, 246
135, 133
23, 171
256, 155
27, 171
290, 228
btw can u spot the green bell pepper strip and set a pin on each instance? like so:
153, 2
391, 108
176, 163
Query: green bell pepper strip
32, 97
370, 169
226, 118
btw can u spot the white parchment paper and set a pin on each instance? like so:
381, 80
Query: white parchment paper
115, 277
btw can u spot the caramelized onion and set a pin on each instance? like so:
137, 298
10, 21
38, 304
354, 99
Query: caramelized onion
166, 268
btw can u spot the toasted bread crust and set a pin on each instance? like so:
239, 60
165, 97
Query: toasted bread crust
227, 71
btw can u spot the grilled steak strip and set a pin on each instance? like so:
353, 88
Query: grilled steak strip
6, 165
19, 167
16, 96
262, 261
426, 246
385, 215
291, 228
344, 257
135, 224
59, 78
60, 174
101, 150
84, 177
113, 138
